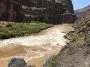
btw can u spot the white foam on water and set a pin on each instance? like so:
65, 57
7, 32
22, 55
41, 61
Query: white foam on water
49, 41
52, 36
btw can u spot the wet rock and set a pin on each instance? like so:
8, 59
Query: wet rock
17, 62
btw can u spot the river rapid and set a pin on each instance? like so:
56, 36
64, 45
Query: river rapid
35, 49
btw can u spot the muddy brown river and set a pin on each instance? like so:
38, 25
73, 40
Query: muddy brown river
37, 49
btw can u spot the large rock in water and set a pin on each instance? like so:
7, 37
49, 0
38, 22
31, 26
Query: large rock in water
17, 62
53, 11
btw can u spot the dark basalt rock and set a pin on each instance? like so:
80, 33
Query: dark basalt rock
17, 62
36, 10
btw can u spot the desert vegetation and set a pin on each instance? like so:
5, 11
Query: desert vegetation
11, 29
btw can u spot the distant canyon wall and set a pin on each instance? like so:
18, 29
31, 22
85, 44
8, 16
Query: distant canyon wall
52, 11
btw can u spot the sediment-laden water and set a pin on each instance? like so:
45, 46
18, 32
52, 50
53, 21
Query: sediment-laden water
35, 49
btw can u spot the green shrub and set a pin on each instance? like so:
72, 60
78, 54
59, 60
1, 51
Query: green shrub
75, 37
51, 62
88, 39
21, 29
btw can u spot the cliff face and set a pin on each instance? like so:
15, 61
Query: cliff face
38, 10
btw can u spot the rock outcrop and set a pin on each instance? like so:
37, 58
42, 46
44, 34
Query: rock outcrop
53, 11
77, 52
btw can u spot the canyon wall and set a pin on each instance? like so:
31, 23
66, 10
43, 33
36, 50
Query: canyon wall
52, 11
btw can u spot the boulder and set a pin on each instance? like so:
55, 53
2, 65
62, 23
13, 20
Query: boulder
17, 62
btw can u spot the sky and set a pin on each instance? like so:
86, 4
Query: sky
80, 3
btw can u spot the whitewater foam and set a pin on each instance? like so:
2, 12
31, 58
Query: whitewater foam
52, 36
